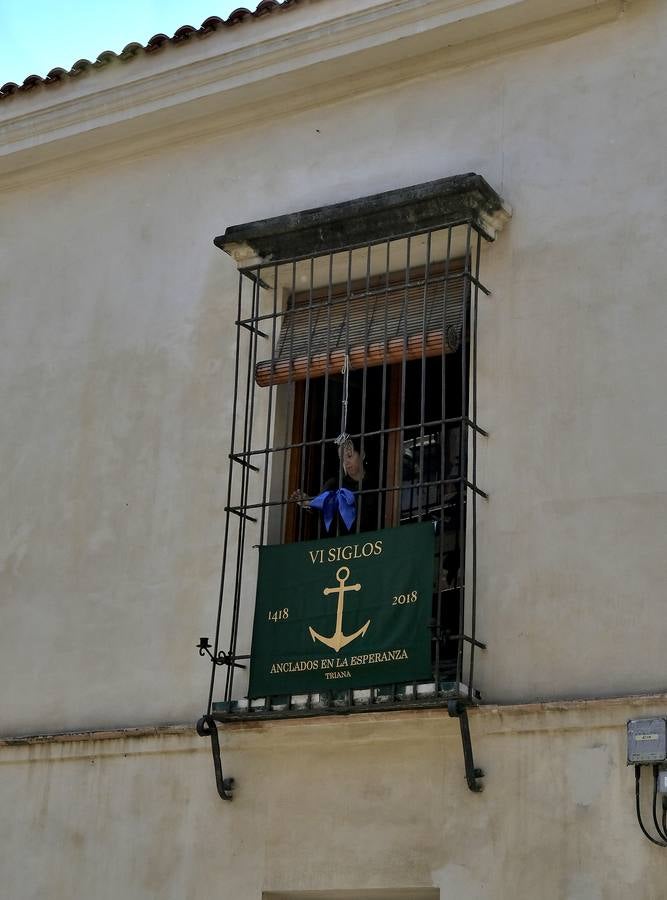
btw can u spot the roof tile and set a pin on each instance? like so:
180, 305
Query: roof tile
182, 35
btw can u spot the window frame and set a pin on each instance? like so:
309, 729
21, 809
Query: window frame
431, 210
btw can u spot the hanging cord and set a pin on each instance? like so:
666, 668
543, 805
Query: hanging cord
638, 770
661, 831
345, 372
207, 726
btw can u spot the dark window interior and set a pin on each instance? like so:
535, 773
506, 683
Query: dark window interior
400, 418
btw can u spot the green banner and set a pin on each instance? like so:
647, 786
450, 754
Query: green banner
348, 612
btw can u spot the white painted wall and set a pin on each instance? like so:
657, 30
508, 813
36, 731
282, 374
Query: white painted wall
116, 360
116, 336
367, 802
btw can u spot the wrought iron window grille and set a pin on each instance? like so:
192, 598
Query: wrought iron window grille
388, 287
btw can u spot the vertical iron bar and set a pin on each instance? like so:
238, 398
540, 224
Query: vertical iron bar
473, 365
251, 387
444, 447
382, 497
427, 270
242, 502
341, 470
290, 317
325, 402
463, 457
363, 384
304, 424
272, 388
225, 542
404, 360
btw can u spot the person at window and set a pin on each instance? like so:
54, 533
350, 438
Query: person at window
355, 478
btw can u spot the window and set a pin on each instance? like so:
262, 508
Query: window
359, 894
400, 388
356, 367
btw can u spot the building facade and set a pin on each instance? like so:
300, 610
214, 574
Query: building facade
120, 393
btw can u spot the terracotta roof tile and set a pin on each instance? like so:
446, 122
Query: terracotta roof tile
181, 36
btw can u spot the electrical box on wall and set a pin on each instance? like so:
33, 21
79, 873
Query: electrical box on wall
647, 741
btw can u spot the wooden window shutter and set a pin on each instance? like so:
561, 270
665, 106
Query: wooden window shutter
373, 323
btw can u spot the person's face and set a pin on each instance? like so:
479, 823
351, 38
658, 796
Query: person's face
352, 463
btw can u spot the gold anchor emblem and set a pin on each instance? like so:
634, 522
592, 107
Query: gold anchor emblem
338, 640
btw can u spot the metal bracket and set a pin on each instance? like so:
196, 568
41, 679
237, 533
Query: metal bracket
206, 727
457, 709
222, 658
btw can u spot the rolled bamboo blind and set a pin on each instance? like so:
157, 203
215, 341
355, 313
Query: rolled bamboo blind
411, 318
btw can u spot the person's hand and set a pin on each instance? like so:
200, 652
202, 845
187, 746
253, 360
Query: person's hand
301, 498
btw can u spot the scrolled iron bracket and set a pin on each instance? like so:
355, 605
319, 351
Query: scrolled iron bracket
457, 709
221, 658
207, 727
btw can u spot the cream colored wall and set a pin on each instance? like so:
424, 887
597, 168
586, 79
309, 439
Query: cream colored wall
346, 804
116, 341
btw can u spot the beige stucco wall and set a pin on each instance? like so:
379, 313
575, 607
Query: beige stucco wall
116, 343
346, 804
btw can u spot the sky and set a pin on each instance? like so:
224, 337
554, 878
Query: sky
38, 35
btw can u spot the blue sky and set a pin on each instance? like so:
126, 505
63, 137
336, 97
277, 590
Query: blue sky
36, 35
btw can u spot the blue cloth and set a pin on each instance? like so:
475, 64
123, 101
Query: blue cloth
342, 501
